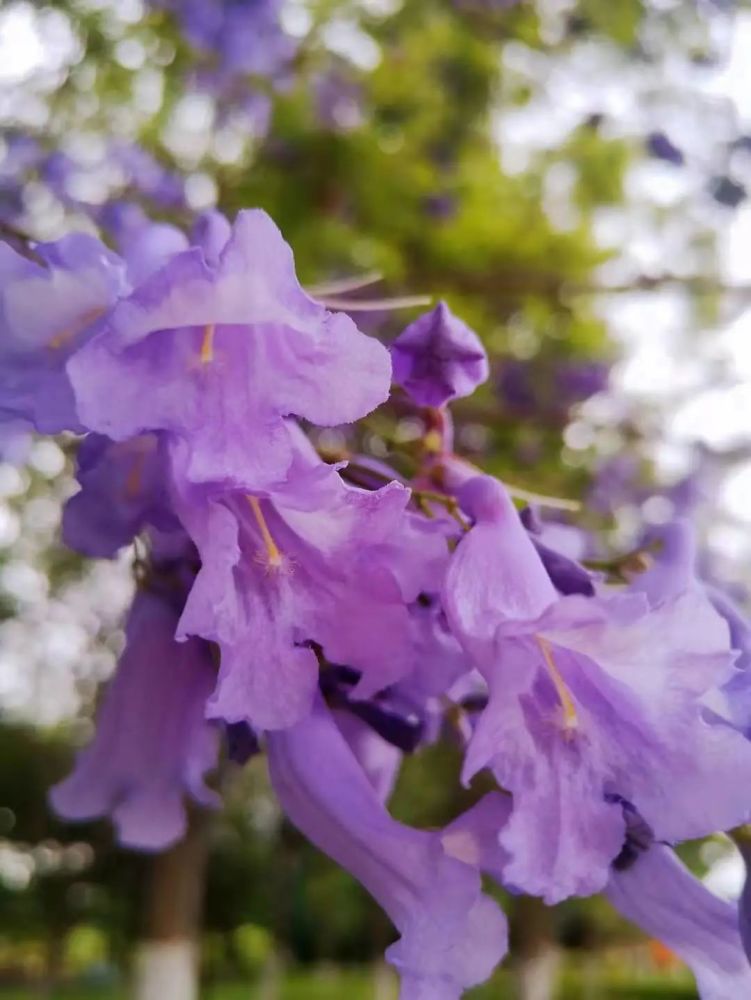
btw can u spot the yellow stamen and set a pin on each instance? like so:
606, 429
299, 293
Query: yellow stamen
570, 719
207, 344
66, 335
272, 549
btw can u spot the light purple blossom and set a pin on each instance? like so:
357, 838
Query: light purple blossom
662, 897
152, 745
49, 306
215, 356
316, 561
451, 936
589, 698
123, 490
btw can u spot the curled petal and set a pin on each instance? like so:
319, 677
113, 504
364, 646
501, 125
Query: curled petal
660, 895
451, 935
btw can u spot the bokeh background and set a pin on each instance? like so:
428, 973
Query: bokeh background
571, 175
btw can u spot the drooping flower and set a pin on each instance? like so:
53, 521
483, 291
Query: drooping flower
152, 746
589, 698
215, 354
49, 306
314, 562
123, 490
651, 887
672, 572
244, 37
647, 883
439, 358
451, 936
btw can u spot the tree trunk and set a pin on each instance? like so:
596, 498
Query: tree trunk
54, 958
167, 959
537, 956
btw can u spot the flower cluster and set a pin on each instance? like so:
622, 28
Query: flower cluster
338, 617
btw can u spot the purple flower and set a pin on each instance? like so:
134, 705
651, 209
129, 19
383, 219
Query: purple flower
152, 745
647, 884
671, 573
148, 247
47, 310
438, 659
15, 439
659, 894
451, 936
315, 561
496, 573
122, 490
215, 356
589, 698
672, 568
662, 147
438, 358
473, 836
245, 35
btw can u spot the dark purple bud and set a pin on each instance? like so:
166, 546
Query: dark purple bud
660, 146
438, 358
727, 192
440, 206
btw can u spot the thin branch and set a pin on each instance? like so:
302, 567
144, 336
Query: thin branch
344, 285
554, 503
375, 305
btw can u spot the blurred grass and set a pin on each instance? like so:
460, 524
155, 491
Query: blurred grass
358, 985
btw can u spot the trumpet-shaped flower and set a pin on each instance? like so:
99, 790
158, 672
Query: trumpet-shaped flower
589, 699
215, 353
451, 936
50, 304
315, 562
152, 745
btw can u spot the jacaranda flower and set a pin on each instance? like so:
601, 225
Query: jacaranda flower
215, 354
451, 936
50, 304
313, 562
589, 698
152, 744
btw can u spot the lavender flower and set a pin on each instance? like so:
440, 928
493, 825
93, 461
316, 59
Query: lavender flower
315, 561
49, 306
215, 356
152, 744
438, 358
123, 490
451, 936
588, 697
659, 894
